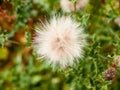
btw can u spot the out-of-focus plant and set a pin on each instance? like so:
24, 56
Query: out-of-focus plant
97, 70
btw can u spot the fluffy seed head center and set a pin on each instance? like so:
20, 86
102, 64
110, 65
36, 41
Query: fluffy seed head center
59, 43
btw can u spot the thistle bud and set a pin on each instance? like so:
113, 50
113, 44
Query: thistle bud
109, 74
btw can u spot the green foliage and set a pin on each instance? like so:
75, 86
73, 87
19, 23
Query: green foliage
3, 38
25, 72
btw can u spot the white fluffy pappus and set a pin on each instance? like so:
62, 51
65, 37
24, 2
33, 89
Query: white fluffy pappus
68, 6
60, 41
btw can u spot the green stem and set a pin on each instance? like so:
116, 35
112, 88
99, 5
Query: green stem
75, 6
119, 6
96, 70
112, 8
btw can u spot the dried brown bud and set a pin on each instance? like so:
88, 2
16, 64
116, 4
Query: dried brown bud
109, 74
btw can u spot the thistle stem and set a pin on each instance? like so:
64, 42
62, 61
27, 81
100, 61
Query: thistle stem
119, 6
75, 7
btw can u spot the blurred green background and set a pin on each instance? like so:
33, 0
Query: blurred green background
21, 69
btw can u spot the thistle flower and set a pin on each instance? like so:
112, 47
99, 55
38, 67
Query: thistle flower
60, 41
117, 21
110, 73
68, 6
117, 61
